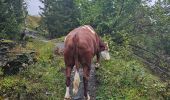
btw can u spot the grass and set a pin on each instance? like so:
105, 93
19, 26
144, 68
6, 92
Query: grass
121, 78
44, 80
44, 49
33, 21
125, 78
48, 70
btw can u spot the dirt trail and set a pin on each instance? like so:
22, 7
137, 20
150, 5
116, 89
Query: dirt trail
91, 85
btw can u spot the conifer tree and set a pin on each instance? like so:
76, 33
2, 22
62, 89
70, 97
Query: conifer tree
59, 16
12, 14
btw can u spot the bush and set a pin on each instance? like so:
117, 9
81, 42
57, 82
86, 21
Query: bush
125, 77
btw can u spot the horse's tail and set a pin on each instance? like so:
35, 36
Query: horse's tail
76, 81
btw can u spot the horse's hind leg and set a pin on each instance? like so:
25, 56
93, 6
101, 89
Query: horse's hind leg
86, 74
68, 74
69, 62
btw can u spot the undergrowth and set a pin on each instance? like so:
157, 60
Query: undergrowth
41, 81
122, 78
127, 80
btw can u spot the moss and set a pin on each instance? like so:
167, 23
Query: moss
6, 41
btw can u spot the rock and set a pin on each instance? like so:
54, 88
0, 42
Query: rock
19, 63
59, 49
5, 46
12, 67
12, 62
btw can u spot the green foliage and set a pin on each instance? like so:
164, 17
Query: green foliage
129, 19
47, 72
11, 86
40, 81
124, 77
121, 22
128, 80
43, 80
43, 49
47, 80
12, 17
33, 22
108, 16
59, 17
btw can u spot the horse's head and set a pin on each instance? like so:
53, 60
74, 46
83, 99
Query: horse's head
104, 49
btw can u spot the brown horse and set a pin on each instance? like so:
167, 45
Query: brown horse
81, 45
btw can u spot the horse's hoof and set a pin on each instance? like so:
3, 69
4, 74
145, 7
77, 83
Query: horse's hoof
67, 95
67, 98
87, 98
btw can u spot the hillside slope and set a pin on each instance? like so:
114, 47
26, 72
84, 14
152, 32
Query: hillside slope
123, 77
33, 22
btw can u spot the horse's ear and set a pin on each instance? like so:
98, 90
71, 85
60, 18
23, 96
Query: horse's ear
101, 45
